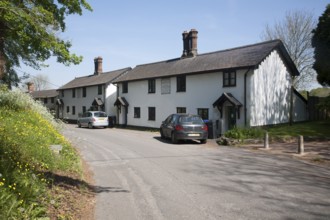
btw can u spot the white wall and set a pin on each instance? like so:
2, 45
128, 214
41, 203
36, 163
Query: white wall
111, 96
79, 101
202, 91
269, 96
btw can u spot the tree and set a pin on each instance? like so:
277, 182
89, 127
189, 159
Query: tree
41, 82
295, 31
321, 43
28, 34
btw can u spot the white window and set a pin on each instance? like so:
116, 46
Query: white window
166, 85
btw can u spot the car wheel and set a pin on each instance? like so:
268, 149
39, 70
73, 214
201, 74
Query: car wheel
174, 140
203, 141
162, 134
79, 125
90, 126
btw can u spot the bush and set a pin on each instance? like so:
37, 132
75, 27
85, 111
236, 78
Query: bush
27, 130
244, 133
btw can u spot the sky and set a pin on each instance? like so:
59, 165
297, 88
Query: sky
128, 33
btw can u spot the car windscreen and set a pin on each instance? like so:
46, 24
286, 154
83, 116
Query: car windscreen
100, 114
190, 120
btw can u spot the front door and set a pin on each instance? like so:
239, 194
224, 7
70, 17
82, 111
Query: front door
231, 117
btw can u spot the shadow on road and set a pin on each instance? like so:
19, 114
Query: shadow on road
168, 141
71, 183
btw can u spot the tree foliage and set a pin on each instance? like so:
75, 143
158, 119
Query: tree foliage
321, 43
28, 33
295, 33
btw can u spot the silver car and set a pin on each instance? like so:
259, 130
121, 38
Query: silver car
93, 119
184, 127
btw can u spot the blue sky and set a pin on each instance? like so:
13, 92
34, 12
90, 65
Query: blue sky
127, 33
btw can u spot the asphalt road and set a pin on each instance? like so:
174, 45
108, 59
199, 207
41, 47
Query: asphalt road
139, 176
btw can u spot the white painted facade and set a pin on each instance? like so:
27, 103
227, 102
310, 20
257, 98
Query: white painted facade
73, 106
267, 97
270, 93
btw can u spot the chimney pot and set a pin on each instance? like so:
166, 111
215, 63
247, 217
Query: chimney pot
30, 86
185, 39
193, 43
98, 65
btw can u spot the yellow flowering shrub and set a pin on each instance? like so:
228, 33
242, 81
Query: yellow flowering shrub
27, 130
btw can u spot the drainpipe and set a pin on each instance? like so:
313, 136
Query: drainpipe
117, 95
105, 96
245, 109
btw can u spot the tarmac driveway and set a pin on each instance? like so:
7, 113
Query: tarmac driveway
139, 176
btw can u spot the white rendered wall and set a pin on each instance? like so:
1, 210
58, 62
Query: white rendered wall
111, 96
269, 96
79, 101
202, 91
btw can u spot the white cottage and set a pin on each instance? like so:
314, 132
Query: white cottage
243, 86
93, 92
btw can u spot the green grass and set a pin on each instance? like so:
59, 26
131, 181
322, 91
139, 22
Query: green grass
316, 129
26, 131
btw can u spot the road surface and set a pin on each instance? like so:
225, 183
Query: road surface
139, 176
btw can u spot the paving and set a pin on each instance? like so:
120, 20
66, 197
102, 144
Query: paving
140, 176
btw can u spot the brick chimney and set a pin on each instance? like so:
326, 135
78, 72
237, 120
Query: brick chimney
192, 43
30, 87
98, 65
185, 44
189, 43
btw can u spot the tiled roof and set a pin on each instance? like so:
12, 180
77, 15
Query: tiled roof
94, 79
226, 97
240, 57
44, 93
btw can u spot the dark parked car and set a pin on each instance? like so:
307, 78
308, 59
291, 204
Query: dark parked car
184, 127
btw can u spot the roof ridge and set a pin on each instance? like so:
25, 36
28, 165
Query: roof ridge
44, 90
116, 70
79, 77
213, 52
241, 47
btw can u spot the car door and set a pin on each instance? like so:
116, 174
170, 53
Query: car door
82, 119
166, 127
86, 118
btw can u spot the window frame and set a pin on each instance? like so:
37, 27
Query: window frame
229, 78
137, 112
181, 110
151, 86
99, 89
73, 93
73, 110
84, 92
151, 113
181, 83
201, 113
166, 85
125, 87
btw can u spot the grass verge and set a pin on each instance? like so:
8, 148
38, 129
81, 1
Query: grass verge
28, 167
311, 129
